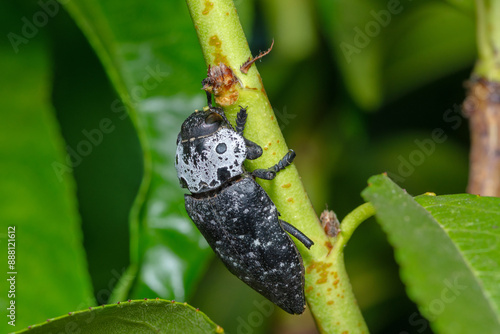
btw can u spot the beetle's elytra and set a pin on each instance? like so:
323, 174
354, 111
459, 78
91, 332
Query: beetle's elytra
233, 212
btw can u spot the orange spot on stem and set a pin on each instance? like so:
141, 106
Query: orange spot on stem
208, 7
328, 245
218, 56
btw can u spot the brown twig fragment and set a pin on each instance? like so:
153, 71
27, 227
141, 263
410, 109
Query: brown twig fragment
482, 106
246, 65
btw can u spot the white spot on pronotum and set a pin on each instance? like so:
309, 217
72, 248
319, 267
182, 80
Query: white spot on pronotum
256, 242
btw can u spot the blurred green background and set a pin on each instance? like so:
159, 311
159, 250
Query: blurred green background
359, 87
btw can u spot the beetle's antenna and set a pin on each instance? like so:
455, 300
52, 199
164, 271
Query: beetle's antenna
297, 234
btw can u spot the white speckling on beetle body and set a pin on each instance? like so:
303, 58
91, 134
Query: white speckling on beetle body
200, 167
235, 215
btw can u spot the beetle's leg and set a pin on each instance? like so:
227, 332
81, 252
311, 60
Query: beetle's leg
297, 234
265, 174
254, 151
241, 119
270, 173
207, 81
221, 112
209, 95
285, 161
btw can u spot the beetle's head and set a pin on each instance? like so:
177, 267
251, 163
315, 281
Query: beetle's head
202, 123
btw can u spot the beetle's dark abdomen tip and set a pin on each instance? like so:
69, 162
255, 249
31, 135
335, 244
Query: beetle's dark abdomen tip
241, 224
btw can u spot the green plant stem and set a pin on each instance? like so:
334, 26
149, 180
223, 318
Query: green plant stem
351, 222
488, 39
219, 21
328, 290
330, 296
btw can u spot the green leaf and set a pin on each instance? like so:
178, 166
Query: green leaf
136, 316
150, 52
388, 48
38, 193
449, 254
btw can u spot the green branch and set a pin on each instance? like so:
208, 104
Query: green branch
351, 223
488, 39
222, 40
328, 290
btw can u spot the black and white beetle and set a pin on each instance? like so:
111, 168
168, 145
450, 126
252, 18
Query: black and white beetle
233, 212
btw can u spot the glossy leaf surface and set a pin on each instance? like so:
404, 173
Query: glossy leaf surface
448, 249
37, 190
137, 316
155, 64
